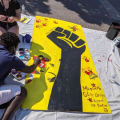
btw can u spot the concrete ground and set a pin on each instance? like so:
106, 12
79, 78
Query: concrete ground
93, 14
116, 4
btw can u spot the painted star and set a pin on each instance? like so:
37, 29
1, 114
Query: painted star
93, 85
90, 99
44, 24
55, 22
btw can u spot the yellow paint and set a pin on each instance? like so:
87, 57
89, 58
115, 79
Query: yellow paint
25, 20
39, 90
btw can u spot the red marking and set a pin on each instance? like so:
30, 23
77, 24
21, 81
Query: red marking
110, 60
46, 19
42, 64
87, 60
99, 61
74, 28
89, 72
37, 26
44, 24
55, 22
90, 99
35, 57
28, 81
105, 109
45, 59
37, 21
93, 85
33, 72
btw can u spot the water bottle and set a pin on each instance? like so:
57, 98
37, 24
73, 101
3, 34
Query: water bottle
23, 9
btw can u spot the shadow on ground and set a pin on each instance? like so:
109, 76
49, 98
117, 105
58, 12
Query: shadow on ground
93, 13
33, 6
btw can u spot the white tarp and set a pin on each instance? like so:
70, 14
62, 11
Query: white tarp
108, 70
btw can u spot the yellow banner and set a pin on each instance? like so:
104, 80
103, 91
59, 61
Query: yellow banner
66, 79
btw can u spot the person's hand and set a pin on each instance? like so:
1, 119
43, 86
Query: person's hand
37, 60
2, 17
11, 19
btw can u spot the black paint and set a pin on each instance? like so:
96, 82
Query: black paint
66, 93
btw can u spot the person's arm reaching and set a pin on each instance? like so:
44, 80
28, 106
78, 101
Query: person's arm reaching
20, 66
29, 69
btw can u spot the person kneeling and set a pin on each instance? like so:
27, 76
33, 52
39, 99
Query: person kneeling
8, 61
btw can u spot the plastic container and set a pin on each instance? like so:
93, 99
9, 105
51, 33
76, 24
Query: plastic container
113, 30
27, 38
23, 9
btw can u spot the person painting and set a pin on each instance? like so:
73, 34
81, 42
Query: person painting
8, 61
9, 13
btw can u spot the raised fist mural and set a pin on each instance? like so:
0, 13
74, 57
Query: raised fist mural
66, 93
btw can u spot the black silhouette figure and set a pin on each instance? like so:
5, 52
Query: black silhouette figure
66, 93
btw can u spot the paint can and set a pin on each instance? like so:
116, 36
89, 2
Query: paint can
113, 30
27, 38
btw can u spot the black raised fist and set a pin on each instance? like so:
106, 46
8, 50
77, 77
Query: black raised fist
66, 93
